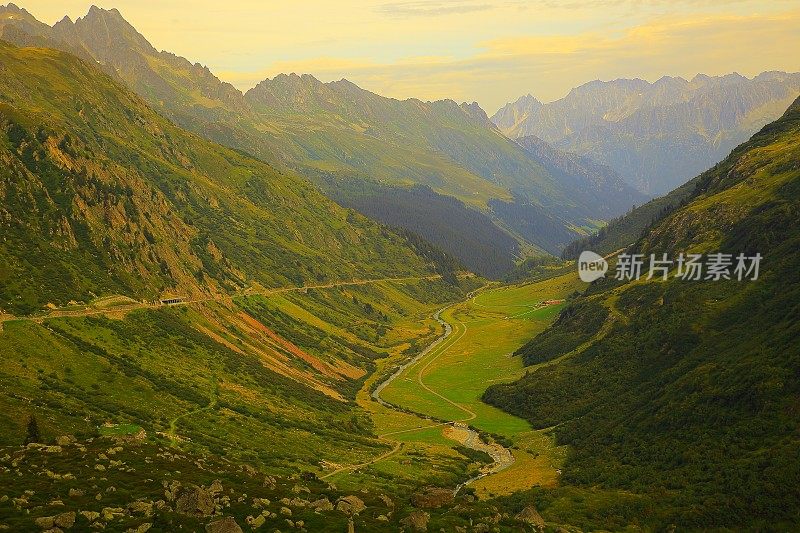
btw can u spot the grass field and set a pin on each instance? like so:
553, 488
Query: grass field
448, 382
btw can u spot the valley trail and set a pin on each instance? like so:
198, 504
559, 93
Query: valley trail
456, 430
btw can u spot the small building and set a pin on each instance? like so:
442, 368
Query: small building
171, 301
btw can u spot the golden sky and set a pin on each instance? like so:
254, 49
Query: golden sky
483, 50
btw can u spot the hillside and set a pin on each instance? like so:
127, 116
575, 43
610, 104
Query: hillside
100, 194
337, 131
637, 127
288, 300
683, 394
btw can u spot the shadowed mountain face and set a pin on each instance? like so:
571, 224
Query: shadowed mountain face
337, 131
685, 391
655, 135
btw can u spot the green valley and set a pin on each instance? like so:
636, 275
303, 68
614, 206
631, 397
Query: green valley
252, 300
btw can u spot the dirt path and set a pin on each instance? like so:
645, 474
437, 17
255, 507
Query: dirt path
456, 430
60, 313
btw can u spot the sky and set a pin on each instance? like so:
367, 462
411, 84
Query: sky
487, 51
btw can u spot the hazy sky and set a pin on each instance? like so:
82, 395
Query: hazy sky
483, 50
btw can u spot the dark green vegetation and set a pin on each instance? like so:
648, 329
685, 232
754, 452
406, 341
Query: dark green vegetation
485, 248
655, 135
686, 400
101, 195
337, 133
627, 229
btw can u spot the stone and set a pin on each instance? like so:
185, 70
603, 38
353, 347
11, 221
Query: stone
109, 513
531, 516
350, 505
223, 525
65, 440
285, 511
260, 503
65, 520
417, 520
387, 501
91, 516
255, 522
145, 508
323, 504
432, 498
45, 522
215, 487
195, 501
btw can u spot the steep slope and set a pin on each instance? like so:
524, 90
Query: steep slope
104, 203
685, 393
589, 181
100, 194
338, 131
637, 127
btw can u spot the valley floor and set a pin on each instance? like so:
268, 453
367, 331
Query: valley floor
431, 404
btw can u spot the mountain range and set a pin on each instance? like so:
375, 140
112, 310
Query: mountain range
361, 149
637, 127
680, 391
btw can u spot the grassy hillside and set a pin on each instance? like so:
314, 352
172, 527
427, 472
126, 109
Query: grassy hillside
102, 195
684, 394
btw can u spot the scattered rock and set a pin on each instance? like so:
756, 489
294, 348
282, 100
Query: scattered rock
323, 504
45, 522
285, 511
255, 522
259, 503
91, 516
417, 520
65, 520
224, 525
387, 501
531, 516
350, 505
195, 501
110, 513
145, 508
432, 498
143, 528
65, 440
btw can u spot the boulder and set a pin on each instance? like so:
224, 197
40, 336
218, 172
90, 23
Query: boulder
65, 520
255, 522
323, 504
195, 501
224, 525
417, 520
45, 522
350, 505
531, 516
432, 498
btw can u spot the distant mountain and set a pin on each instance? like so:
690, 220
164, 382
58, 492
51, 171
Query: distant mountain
671, 393
655, 135
337, 131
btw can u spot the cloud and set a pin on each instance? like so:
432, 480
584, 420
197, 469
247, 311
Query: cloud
428, 8
549, 65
